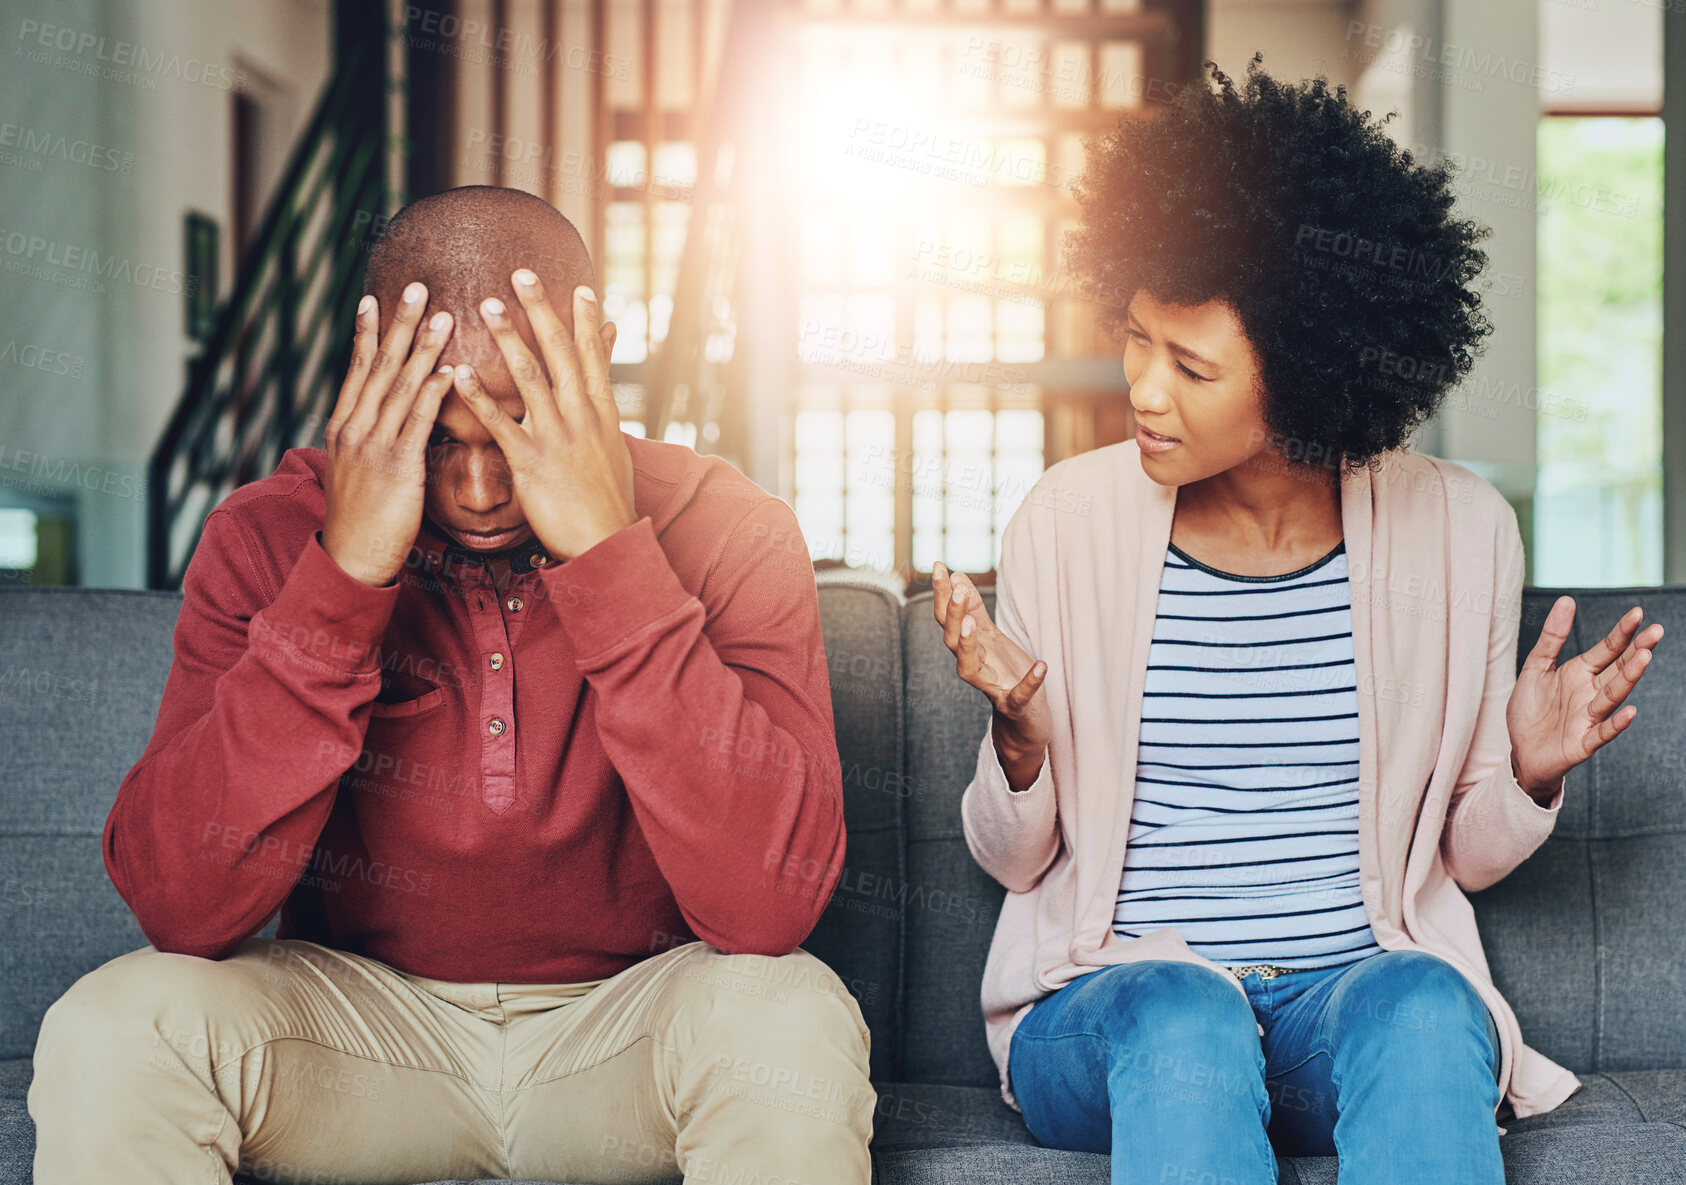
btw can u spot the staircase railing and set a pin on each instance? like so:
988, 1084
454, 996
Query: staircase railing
271, 367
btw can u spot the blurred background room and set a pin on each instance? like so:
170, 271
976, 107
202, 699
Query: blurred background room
828, 230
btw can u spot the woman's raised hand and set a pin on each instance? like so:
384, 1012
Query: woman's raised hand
996, 665
1559, 715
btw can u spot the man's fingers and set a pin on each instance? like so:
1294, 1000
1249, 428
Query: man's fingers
389, 359
364, 341
424, 411
594, 360
556, 340
512, 438
423, 361
530, 378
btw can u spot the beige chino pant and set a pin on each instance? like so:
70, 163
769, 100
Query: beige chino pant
303, 1065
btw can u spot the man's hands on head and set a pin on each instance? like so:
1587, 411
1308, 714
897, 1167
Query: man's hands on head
570, 467
376, 479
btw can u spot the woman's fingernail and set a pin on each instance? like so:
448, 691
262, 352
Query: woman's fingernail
585, 293
439, 321
413, 293
493, 306
364, 305
525, 278
465, 372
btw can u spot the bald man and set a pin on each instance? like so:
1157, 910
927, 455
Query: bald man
524, 727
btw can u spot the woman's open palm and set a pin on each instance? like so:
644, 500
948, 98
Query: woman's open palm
1559, 716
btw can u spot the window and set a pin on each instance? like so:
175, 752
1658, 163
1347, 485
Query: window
1598, 498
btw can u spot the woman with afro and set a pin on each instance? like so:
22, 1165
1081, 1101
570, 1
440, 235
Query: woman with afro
1236, 788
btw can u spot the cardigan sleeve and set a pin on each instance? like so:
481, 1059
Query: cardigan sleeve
1013, 834
1492, 824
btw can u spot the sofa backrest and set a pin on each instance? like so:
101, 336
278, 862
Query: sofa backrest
1587, 939
860, 933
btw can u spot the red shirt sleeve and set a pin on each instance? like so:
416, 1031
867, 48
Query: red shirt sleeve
717, 715
265, 706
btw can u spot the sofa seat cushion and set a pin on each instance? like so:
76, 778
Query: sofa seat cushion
1617, 1129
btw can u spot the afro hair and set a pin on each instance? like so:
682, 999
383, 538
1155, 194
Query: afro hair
1342, 257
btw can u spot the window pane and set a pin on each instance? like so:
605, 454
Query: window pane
1598, 501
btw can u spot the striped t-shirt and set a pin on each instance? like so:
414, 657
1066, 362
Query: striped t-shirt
1244, 833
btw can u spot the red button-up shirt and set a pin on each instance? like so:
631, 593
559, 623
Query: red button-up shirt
616, 753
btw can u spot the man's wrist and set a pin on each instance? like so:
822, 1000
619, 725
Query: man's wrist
588, 539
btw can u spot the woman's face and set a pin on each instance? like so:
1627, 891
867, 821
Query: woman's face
1194, 377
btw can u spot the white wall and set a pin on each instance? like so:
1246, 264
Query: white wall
142, 91
1299, 38
1613, 52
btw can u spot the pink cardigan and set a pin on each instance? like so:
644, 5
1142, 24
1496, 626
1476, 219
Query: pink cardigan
1436, 567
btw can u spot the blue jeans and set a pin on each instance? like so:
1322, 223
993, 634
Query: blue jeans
1391, 1063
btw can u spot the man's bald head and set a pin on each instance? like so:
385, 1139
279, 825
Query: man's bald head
464, 244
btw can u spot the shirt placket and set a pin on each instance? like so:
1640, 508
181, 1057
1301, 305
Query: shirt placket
498, 620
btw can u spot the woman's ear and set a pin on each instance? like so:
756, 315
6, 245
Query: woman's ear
608, 332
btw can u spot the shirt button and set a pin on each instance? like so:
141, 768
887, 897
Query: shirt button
496, 726
514, 604
497, 662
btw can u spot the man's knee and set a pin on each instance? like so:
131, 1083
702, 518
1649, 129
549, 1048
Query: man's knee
147, 1007
797, 987
780, 1023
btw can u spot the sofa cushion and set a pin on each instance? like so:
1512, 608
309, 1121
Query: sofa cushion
82, 672
1617, 1130
953, 904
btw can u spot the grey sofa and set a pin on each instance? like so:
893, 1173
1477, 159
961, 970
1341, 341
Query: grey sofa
1587, 939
